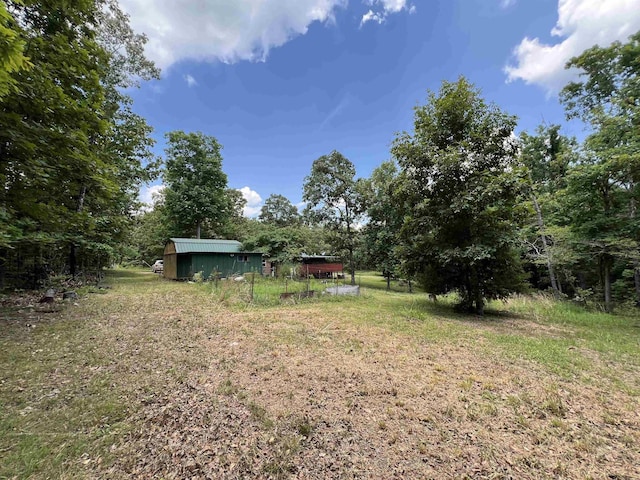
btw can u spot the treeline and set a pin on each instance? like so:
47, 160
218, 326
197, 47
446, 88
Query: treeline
466, 206
72, 152
462, 205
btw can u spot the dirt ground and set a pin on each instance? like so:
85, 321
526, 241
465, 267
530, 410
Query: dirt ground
303, 392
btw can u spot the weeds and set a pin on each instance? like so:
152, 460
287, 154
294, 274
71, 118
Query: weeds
169, 379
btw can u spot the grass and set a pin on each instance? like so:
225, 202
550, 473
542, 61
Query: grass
615, 337
375, 280
166, 378
57, 406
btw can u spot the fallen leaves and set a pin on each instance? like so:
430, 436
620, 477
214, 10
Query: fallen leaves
302, 392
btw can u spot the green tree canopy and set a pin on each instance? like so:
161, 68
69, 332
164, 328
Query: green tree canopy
196, 185
460, 188
12, 46
607, 96
279, 211
73, 153
383, 219
333, 200
547, 156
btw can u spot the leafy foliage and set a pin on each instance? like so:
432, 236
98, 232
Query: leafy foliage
73, 153
460, 188
12, 57
283, 245
196, 190
384, 220
547, 156
608, 98
333, 201
279, 211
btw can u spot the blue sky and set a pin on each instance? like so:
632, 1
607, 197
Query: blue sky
281, 82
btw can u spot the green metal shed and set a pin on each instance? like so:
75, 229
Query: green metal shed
183, 257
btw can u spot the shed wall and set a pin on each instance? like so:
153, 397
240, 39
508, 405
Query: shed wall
185, 269
170, 269
225, 264
182, 266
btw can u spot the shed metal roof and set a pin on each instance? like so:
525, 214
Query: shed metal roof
325, 257
202, 245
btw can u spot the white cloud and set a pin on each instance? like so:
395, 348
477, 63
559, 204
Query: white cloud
223, 30
507, 3
371, 16
191, 82
148, 194
254, 201
384, 8
581, 24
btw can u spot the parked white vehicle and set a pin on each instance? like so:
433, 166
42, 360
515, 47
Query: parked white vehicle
158, 266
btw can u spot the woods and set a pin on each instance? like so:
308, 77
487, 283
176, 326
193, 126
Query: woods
465, 204
73, 154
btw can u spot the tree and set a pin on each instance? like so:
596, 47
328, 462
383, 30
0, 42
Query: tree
607, 97
127, 140
459, 189
279, 211
283, 244
332, 199
12, 57
546, 155
384, 221
196, 185
46, 124
73, 153
149, 235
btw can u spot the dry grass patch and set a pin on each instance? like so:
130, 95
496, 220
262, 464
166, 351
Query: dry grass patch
381, 386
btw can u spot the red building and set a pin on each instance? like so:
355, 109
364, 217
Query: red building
320, 266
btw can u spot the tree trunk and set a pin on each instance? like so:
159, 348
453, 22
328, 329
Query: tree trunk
560, 284
478, 297
606, 277
3, 268
545, 245
636, 279
73, 253
353, 268
388, 281
636, 265
352, 263
198, 229
479, 304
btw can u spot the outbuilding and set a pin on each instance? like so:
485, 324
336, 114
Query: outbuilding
183, 257
320, 266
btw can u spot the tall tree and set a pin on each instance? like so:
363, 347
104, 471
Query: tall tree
72, 151
46, 124
196, 185
12, 47
460, 187
331, 193
384, 219
127, 140
546, 155
279, 211
607, 96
